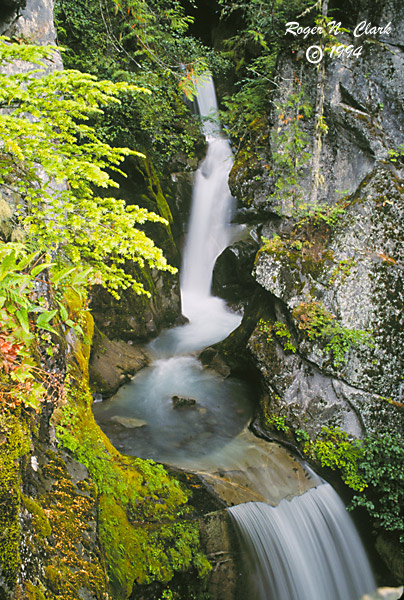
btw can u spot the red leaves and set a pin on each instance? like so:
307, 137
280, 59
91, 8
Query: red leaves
9, 354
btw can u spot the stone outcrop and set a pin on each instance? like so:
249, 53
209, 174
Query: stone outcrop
232, 275
113, 364
347, 266
324, 326
357, 276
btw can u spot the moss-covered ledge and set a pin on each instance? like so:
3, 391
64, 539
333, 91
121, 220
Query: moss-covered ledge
78, 519
146, 529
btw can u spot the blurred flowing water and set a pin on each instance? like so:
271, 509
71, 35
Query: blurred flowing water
304, 546
303, 549
140, 418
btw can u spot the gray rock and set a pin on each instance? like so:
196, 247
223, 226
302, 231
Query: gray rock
181, 402
232, 277
128, 422
219, 541
354, 268
367, 295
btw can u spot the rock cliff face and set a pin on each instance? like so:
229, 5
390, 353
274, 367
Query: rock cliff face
344, 268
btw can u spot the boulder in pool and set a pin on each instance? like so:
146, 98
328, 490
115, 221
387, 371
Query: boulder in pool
181, 402
128, 422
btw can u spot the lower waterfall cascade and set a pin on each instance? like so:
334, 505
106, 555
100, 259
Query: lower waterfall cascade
306, 547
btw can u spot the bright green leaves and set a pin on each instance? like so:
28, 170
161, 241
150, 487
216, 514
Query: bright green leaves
54, 165
16, 290
336, 451
24, 52
19, 270
372, 466
21, 276
56, 162
382, 466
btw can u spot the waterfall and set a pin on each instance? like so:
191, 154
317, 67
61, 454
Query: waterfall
221, 409
209, 227
305, 549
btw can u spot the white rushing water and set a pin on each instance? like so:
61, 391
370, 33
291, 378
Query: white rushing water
135, 418
209, 231
305, 549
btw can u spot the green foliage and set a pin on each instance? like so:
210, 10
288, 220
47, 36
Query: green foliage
54, 165
61, 210
336, 451
27, 319
254, 50
145, 44
276, 422
317, 214
382, 467
265, 327
397, 155
158, 27
301, 435
280, 330
373, 467
247, 107
283, 332
319, 324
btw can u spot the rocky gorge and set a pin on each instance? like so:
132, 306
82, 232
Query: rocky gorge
317, 272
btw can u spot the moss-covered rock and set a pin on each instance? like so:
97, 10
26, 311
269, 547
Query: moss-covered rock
14, 445
341, 303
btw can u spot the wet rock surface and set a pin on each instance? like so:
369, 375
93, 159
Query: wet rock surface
113, 363
181, 402
220, 540
232, 278
256, 471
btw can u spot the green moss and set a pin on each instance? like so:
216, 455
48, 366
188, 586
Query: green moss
14, 444
32, 592
74, 304
142, 551
40, 521
143, 512
71, 564
156, 191
307, 257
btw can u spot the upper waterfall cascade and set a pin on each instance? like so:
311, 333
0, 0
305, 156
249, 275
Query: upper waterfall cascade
209, 231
